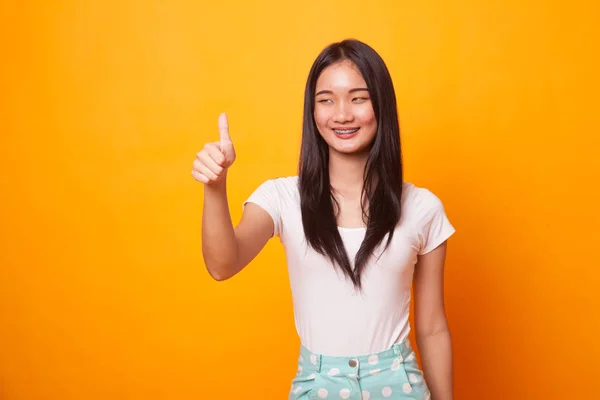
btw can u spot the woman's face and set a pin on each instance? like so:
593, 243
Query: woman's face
343, 110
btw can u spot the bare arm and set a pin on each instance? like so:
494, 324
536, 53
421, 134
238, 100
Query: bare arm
226, 250
432, 332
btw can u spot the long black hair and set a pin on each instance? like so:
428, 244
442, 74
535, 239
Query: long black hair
383, 177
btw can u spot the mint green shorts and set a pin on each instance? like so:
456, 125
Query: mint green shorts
390, 374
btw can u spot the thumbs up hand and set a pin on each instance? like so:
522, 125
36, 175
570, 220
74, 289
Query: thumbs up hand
212, 162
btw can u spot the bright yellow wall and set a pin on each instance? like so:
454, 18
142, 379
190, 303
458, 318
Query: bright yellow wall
103, 292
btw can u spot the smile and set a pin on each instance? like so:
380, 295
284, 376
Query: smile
345, 131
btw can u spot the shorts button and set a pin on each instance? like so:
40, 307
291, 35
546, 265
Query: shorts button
353, 363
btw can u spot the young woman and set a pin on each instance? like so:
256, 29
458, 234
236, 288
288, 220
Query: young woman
356, 237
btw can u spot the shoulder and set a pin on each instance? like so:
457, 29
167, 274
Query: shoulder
420, 201
286, 182
426, 213
280, 189
418, 195
283, 184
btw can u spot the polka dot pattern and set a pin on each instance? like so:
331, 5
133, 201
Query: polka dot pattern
396, 364
393, 374
373, 360
413, 378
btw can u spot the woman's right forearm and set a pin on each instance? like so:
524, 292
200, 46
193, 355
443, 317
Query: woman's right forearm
219, 245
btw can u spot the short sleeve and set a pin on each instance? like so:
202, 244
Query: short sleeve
267, 197
435, 227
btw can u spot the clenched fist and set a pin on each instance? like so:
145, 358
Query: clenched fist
215, 158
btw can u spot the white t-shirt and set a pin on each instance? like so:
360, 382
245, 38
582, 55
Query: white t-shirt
331, 316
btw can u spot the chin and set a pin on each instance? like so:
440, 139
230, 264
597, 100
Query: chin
358, 148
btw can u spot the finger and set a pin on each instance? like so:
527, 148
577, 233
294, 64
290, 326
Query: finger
225, 139
204, 170
214, 153
209, 163
199, 177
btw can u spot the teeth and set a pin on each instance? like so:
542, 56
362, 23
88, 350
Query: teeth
345, 132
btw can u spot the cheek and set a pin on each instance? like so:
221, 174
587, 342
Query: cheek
321, 117
366, 116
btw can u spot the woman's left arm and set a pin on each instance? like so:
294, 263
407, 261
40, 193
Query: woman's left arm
432, 332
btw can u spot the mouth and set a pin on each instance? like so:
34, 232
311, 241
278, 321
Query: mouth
346, 132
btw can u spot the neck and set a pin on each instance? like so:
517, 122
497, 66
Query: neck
346, 172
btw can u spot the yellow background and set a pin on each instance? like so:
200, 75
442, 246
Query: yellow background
103, 291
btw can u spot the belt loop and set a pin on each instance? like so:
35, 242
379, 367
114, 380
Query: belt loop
314, 360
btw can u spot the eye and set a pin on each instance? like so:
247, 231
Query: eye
324, 101
360, 99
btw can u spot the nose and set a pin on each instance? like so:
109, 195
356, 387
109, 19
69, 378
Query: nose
343, 113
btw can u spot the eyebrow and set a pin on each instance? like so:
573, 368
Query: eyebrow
349, 91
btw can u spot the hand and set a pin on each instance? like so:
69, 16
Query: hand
212, 162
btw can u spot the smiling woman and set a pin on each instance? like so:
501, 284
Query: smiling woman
355, 234
343, 109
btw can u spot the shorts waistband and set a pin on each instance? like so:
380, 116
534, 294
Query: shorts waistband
398, 353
